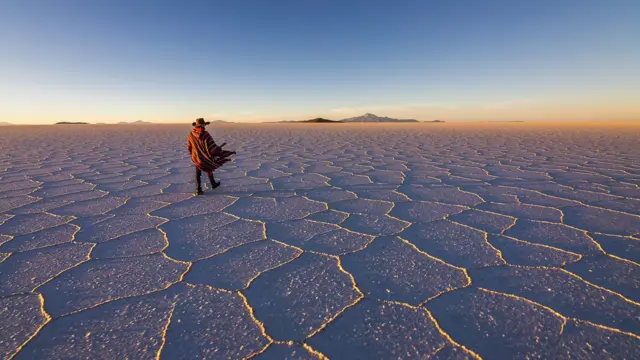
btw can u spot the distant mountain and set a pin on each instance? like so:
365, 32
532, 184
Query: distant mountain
434, 121
316, 120
220, 122
4, 123
71, 123
369, 118
321, 120
139, 122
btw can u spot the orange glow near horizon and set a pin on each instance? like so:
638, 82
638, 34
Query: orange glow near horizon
492, 112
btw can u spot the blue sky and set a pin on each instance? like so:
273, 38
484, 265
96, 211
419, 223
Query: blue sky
172, 61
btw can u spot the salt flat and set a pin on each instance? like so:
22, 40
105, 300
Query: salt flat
373, 241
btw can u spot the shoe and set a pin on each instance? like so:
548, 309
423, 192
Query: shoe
215, 185
199, 192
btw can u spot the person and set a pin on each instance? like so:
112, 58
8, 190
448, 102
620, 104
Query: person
205, 154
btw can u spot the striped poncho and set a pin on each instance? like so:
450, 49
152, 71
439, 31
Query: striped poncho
205, 154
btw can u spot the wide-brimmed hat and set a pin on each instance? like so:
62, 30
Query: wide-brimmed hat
200, 121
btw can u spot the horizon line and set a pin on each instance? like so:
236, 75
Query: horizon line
286, 122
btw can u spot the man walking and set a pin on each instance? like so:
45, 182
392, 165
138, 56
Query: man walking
205, 154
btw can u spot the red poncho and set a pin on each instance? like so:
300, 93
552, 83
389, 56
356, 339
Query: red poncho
205, 154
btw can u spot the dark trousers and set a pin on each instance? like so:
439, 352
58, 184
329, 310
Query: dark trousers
199, 174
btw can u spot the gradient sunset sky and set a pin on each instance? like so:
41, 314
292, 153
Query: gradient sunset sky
454, 60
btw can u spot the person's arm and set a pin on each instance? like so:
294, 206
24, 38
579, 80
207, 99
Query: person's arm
189, 148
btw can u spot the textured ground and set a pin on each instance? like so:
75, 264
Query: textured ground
340, 241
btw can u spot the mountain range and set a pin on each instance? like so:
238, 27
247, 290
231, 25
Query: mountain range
368, 117
316, 120
139, 122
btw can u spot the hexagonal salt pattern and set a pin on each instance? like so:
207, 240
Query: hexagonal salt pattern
339, 241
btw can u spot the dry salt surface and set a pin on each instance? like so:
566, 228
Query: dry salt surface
421, 241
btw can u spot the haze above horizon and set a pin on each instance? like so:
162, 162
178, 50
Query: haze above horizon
162, 61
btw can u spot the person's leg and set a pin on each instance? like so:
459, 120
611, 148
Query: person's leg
198, 181
213, 182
